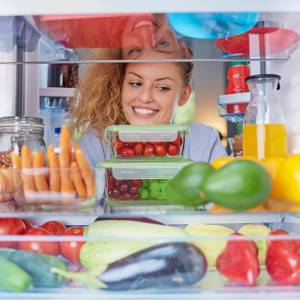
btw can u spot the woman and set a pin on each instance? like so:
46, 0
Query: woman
140, 93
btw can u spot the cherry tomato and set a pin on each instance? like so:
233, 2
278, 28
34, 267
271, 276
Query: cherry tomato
46, 247
138, 149
173, 149
28, 224
11, 226
178, 140
71, 250
126, 152
119, 144
54, 227
148, 150
160, 150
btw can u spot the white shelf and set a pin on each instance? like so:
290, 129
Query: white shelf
57, 92
234, 98
35, 7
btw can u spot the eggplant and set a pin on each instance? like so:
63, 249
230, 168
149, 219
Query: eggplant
167, 265
175, 264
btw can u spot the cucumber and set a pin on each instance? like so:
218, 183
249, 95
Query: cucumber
39, 266
13, 278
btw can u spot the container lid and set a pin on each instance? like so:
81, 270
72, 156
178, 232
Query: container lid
22, 124
128, 164
143, 170
152, 128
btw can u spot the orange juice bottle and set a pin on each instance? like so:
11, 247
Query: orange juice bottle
264, 132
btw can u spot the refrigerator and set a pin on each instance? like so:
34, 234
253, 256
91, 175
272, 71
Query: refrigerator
45, 48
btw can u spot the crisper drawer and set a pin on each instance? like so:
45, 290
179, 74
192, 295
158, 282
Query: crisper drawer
142, 258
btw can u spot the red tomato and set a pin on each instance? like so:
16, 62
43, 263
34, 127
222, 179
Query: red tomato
54, 227
138, 149
126, 152
71, 250
239, 262
50, 248
148, 150
11, 226
28, 224
283, 259
160, 150
119, 144
178, 140
173, 149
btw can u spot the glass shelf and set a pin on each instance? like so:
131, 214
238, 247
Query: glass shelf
114, 37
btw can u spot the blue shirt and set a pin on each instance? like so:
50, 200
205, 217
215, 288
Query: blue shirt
202, 144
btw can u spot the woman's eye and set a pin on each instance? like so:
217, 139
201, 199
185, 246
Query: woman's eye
162, 44
163, 88
135, 83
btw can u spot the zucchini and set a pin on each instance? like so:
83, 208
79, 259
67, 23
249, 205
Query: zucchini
39, 266
13, 278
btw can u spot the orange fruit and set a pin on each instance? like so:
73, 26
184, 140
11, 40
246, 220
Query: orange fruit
277, 205
272, 165
221, 161
219, 209
288, 178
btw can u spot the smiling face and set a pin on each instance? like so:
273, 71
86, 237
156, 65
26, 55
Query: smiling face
152, 91
149, 34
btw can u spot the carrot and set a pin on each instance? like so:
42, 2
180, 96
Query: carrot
40, 178
53, 163
3, 187
16, 160
50, 150
28, 180
17, 166
77, 180
86, 172
65, 147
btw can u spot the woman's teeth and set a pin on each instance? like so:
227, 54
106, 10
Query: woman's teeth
145, 111
142, 24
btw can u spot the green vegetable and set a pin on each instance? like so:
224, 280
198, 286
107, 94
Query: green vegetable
185, 187
13, 278
145, 194
94, 253
39, 266
239, 185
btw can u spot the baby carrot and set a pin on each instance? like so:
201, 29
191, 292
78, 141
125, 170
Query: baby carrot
77, 180
53, 163
86, 172
39, 176
17, 166
65, 147
28, 180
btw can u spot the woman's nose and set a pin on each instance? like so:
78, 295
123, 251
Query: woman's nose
146, 96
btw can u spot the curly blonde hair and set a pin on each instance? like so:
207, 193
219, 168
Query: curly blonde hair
97, 103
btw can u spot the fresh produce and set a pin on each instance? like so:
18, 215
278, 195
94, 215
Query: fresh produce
283, 259
239, 262
239, 185
164, 265
136, 219
104, 252
221, 162
148, 149
211, 248
13, 278
258, 230
69, 177
184, 188
38, 266
71, 249
7, 183
288, 178
11, 226
54, 227
46, 247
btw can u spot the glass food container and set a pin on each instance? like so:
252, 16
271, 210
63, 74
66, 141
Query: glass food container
144, 142
264, 132
138, 183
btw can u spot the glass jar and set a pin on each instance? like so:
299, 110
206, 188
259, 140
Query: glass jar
264, 132
18, 131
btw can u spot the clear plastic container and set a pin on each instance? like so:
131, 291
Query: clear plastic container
138, 183
41, 189
183, 260
144, 142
